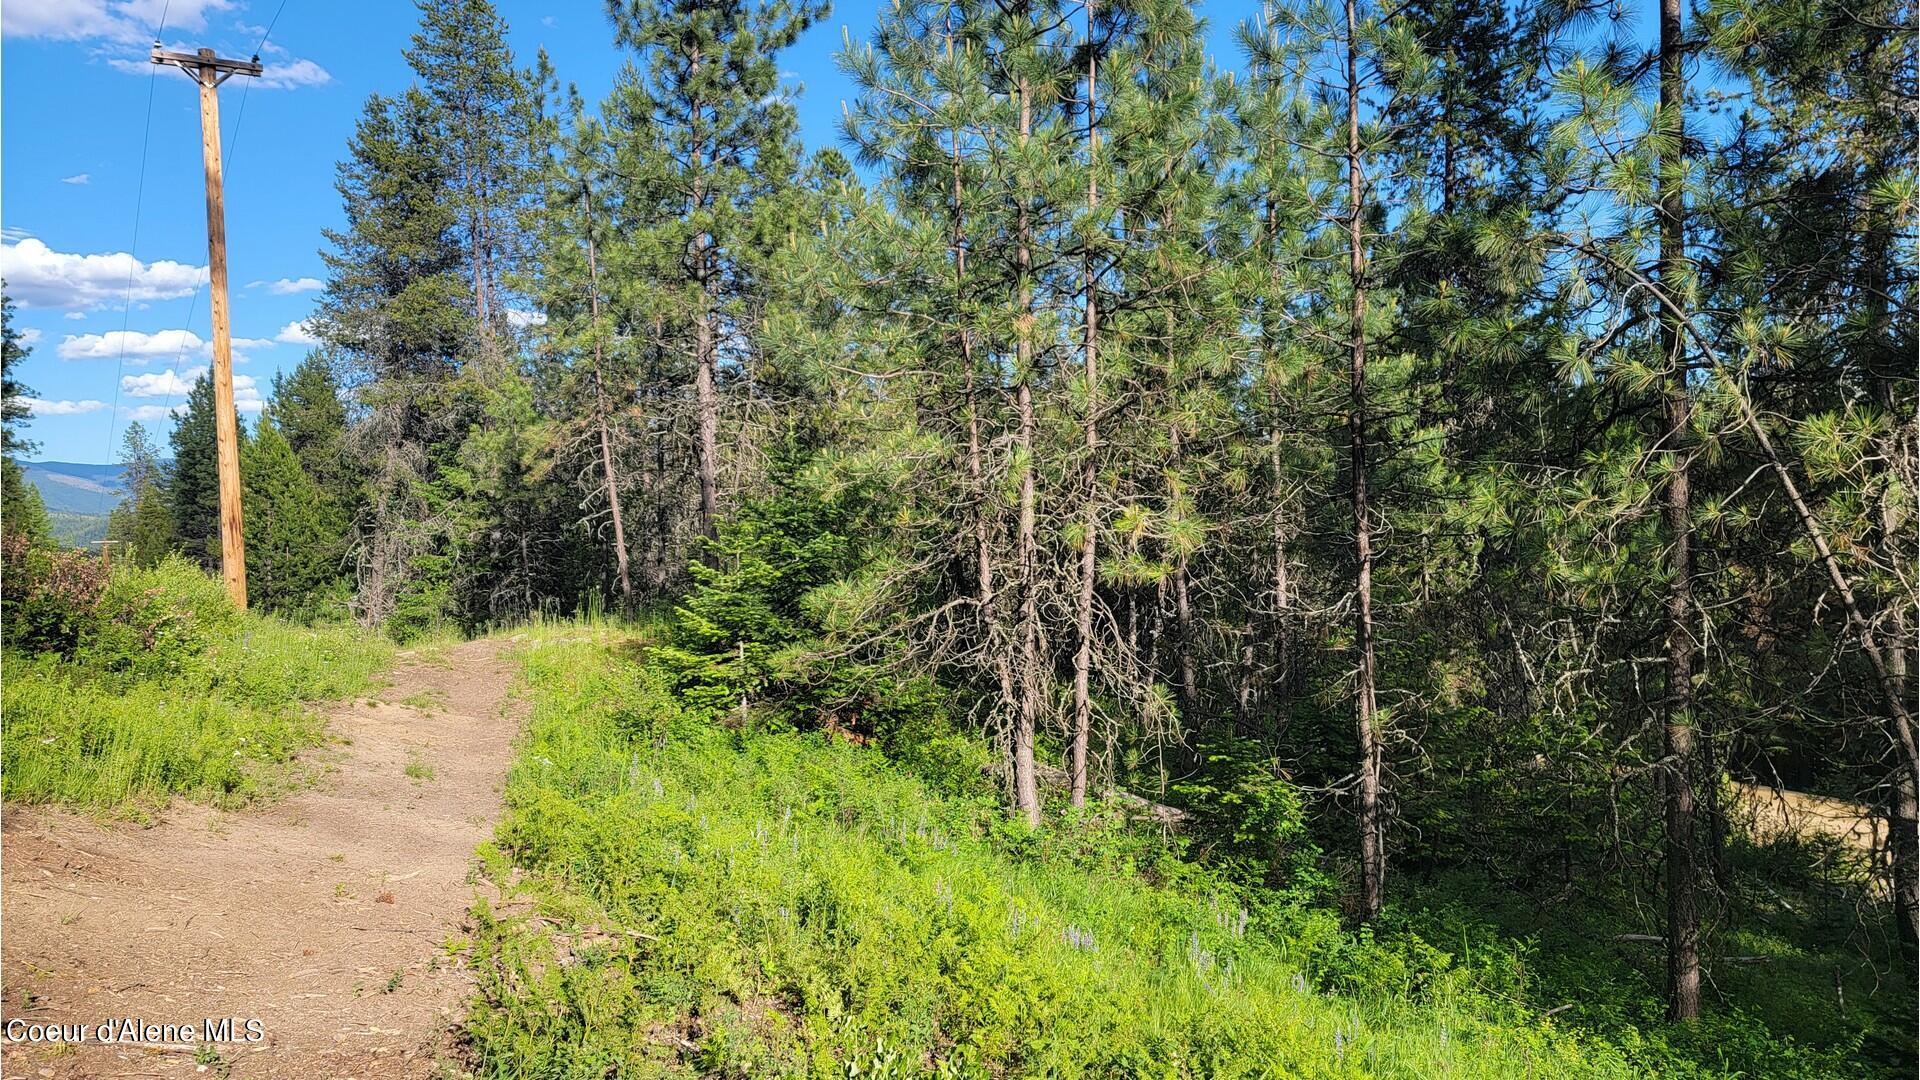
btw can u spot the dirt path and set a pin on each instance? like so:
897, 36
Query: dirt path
321, 915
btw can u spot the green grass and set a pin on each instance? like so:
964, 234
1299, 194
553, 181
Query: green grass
223, 725
426, 701
418, 770
701, 902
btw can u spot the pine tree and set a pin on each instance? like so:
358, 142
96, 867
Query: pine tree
433, 191
14, 409
483, 115
21, 508
589, 366
295, 539
311, 415
702, 121
142, 525
195, 484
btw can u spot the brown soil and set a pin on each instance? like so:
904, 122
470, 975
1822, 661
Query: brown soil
1770, 813
325, 915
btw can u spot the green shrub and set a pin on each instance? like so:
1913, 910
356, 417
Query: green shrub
162, 687
158, 622
48, 598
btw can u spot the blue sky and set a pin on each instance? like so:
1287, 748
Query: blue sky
76, 84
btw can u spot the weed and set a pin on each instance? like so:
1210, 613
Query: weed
209, 1058
166, 690
429, 700
773, 903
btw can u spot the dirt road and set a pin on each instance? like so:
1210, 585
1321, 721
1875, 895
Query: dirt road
322, 915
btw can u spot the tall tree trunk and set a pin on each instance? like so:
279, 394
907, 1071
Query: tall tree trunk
707, 401
1683, 916
705, 391
1182, 598
1026, 786
1282, 585
608, 473
1884, 360
991, 635
1373, 856
1089, 469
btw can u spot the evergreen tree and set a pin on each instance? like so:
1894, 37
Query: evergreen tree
142, 525
295, 540
484, 116
701, 119
311, 415
14, 410
433, 191
194, 487
21, 508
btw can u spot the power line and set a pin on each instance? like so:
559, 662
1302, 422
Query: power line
233, 150
126, 309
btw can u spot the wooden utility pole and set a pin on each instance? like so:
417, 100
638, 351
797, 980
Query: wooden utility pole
106, 551
208, 72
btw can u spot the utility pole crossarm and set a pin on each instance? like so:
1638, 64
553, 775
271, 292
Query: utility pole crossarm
196, 64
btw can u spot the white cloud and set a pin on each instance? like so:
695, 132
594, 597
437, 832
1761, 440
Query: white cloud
298, 333
294, 74
130, 22
524, 319
54, 18
160, 383
126, 27
288, 286
149, 413
77, 178
75, 315
30, 336
38, 276
548, 20
176, 385
133, 344
43, 407
246, 395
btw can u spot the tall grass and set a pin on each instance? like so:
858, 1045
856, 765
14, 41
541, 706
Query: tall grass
169, 691
681, 899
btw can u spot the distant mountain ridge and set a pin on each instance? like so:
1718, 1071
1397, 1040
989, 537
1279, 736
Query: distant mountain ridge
70, 487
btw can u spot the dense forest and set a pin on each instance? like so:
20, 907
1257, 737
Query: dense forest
1430, 463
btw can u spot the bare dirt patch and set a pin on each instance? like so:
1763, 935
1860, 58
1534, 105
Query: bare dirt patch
324, 915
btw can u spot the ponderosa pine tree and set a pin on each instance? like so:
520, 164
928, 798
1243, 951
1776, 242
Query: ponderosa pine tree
1827, 327
702, 121
587, 363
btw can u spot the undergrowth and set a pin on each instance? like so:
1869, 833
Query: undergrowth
678, 897
124, 689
